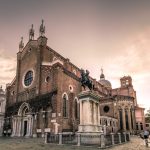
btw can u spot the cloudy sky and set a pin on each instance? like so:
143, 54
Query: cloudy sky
113, 34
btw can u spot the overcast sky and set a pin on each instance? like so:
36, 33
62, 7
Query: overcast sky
113, 34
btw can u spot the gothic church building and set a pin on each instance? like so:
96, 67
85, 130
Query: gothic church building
43, 96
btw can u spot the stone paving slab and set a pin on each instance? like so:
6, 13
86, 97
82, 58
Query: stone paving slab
136, 143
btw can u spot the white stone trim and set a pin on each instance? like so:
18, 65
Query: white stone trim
71, 88
76, 99
46, 78
74, 71
64, 95
22, 107
52, 63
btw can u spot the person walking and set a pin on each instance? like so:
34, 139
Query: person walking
146, 136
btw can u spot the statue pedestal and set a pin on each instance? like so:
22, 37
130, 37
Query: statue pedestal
89, 113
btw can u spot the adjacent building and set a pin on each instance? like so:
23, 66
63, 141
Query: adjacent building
2, 109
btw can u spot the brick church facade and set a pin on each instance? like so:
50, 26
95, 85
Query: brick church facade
43, 97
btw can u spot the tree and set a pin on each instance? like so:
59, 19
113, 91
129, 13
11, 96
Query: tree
147, 116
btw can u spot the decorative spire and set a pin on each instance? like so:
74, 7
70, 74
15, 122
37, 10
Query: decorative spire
101, 70
42, 29
31, 33
21, 44
102, 76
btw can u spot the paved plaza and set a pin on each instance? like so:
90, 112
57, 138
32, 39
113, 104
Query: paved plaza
38, 144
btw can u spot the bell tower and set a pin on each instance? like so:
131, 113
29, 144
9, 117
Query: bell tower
126, 81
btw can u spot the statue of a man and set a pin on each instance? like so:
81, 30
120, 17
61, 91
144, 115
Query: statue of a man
42, 28
21, 44
85, 81
31, 33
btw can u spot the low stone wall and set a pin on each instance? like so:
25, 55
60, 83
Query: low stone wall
102, 141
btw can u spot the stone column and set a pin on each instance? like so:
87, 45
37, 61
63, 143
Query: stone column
13, 124
102, 140
119, 136
31, 132
98, 121
78, 139
45, 141
125, 136
29, 125
90, 117
34, 125
129, 120
60, 138
19, 126
134, 122
27, 134
15, 127
124, 119
94, 114
129, 136
112, 138
81, 122
83, 110
86, 108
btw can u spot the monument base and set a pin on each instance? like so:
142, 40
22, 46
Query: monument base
90, 138
90, 128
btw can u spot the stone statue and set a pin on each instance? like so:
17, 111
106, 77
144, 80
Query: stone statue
31, 33
21, 44
42, 29
85, 81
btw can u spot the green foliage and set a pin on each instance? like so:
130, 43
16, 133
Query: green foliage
147, 116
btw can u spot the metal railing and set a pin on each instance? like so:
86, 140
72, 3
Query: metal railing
99, 140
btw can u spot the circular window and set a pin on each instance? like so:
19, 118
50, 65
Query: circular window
106, 109
28, 78
70, 88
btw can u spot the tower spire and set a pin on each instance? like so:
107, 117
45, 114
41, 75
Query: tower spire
102, 76
101, 70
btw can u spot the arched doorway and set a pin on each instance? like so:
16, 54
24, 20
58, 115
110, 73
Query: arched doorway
23, 122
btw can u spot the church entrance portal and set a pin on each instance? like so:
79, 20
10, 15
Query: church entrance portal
23, 122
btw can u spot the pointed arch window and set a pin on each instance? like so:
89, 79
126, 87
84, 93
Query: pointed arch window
76, 108
65, 106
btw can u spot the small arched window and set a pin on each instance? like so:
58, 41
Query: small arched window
65, 106
47, 79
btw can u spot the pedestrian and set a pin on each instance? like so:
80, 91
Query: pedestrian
146, 136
